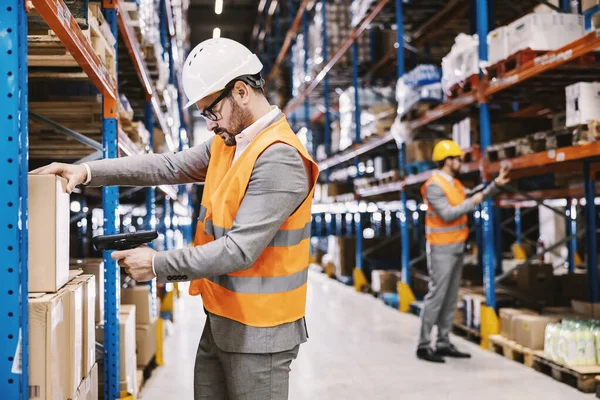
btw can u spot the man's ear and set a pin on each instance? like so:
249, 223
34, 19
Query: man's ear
242, 91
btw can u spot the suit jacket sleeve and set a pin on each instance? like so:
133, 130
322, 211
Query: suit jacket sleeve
442, 207
277, 187
186, 166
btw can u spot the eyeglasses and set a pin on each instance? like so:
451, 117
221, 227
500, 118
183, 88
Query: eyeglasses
208, 112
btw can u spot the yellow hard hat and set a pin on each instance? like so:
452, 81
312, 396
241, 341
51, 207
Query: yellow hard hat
445, 149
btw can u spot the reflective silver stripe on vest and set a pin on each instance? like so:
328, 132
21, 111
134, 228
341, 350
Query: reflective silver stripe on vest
431, 214
283, 238
290, 237
202, 214
261, 285
445, 229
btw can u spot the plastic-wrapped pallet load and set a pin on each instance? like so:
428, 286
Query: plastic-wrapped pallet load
573, 342
543, 31
497, 41
370, 99
423, 83
583, 103
359, 10
462, 61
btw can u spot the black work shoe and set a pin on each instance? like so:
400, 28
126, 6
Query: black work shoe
451, 351
428, 354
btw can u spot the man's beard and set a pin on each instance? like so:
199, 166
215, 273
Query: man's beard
240, 120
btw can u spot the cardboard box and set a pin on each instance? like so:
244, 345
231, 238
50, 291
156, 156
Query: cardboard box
140, 296
145, 342
529, 330
385, 281
544, 31
583, 103
573, 287
88, 388
128, 357
497, 44
96, 267
585, 309
507, 316
587, 4
48, 345
74, 307
89, 332
420, 150
49, 225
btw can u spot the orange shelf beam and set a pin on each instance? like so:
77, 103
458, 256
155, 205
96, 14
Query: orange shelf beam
550, 157
337, 56
443, 110
135, 52
59, 19
134, 49
545, 62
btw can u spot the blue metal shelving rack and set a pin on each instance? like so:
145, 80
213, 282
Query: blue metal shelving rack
13, 230
488, 224
13, 219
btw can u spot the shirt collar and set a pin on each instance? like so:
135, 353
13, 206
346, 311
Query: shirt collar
449, 178
248, 134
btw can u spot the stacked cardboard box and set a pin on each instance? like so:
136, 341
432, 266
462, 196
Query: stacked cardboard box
145, 321
61, 305
385, 281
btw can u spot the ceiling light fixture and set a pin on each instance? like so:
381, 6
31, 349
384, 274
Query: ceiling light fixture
216, 33
218, 7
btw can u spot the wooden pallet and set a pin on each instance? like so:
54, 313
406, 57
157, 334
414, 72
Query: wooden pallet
517, 60
511, 350
470, 334
583, 378
471, 85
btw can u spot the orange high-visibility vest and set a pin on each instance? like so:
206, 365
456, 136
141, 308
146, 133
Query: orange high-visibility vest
273, 290
437, 231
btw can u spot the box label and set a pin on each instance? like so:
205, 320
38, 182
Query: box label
17, 366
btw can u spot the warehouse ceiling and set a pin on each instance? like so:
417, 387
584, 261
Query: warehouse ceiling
236, 21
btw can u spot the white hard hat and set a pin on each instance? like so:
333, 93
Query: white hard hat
214, 63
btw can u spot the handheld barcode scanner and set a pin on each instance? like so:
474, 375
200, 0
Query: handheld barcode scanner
123, 241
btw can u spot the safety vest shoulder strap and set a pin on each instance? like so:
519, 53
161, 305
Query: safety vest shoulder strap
455, 192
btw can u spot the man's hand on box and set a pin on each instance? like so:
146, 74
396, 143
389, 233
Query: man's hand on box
136, 262
74, 174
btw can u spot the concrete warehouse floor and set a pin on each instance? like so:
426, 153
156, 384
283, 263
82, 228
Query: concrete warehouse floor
361, 349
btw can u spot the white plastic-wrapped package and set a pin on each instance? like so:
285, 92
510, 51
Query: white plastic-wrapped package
462, 61
420, 84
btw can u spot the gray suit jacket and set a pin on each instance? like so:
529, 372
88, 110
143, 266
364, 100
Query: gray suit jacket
278, 185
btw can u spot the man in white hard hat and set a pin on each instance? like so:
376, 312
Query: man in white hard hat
250, 262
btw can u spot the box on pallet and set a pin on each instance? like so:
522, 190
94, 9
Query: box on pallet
140, 296
49, 324
127, 347
94, 266
49, 209
583, 103
88, 284
461, 133
420, 150
587, 4
543, 31
507, 316
74, 305
497, 41
462, 61
586, 309
537, 280
385, 281
145, 343
88, 388
128, 357
529, 329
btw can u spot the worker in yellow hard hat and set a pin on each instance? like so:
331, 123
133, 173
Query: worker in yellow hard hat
448, 206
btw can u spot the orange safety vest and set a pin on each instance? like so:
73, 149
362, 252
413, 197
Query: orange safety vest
437, 231
273, 290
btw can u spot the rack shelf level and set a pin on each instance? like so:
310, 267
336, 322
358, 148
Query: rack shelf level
358, 150
58, 17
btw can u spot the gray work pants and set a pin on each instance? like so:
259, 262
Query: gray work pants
220, 375
445, 264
